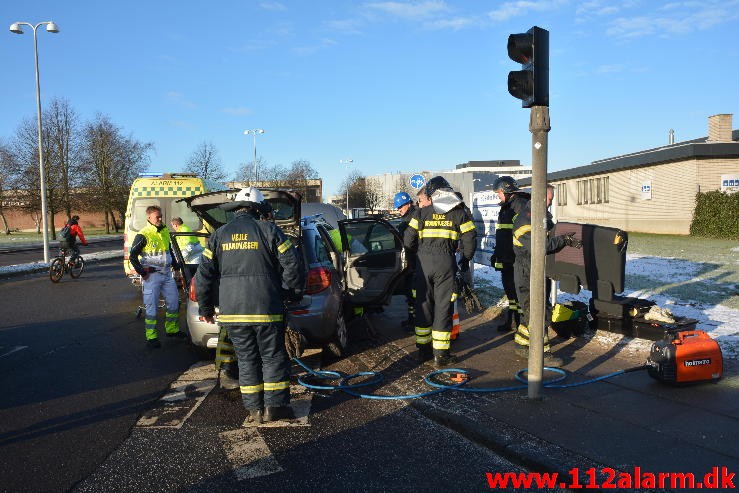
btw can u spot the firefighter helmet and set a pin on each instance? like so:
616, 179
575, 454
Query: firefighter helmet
435, 184
246, 197
506, 184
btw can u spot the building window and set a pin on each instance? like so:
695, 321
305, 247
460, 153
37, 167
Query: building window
605, 189
562, 194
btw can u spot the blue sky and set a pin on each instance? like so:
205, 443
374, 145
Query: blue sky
394, 86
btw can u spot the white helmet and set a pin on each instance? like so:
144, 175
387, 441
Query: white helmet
246, 197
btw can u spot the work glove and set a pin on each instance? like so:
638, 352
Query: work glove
464, 265
292, 296
493, 262
571, 241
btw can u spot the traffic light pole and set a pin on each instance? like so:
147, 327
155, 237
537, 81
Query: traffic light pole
539, 128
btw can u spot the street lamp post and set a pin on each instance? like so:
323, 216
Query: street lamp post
346, 161
254, 132
52, 28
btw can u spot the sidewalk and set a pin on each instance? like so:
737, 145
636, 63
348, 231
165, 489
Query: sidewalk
627, 421
40, 266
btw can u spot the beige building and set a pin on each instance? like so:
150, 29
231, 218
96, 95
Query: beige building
651, 191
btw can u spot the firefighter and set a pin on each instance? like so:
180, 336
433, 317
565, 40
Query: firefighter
522, 274
249, 261
433, 232
404, 205
512, 202
151, 256
226, 362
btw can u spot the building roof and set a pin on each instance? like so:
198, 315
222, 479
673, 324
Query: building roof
681, 151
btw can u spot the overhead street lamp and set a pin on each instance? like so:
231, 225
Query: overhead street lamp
52, 28
254, 133
346, 161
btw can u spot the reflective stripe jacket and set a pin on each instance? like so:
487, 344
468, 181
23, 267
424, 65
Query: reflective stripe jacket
151, 248
514, 204
247, 261
522, 235
429, 232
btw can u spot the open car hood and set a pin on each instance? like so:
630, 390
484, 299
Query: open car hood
285, 206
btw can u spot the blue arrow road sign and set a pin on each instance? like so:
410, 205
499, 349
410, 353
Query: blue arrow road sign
417, 181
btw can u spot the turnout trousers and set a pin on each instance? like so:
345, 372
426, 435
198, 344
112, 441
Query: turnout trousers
435, 295
507, 276
522, 275
264, 367
161, 284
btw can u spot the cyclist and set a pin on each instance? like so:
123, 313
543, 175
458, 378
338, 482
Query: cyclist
68, 237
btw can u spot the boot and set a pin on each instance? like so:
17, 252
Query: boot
228, 376
444, 360
153, 343
508, 324
424, 353
278, 413
256, 416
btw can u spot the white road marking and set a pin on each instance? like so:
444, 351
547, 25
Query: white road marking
183, 398
248, 454
17, 348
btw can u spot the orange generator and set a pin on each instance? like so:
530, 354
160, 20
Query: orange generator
686, 356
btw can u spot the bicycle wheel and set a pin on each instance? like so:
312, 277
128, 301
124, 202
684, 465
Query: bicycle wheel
75, 269
56, 269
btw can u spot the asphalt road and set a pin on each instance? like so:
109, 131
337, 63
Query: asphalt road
10, 255
87, 407
74, 375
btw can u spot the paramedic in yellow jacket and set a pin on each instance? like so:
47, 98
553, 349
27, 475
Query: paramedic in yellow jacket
151, 257
189, 245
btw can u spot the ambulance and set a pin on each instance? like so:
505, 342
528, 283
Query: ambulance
164, 190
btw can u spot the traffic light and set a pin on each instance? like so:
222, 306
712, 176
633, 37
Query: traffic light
531, 83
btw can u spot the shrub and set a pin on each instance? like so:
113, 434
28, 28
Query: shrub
716, 215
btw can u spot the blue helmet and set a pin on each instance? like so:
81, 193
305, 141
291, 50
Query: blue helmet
401, 198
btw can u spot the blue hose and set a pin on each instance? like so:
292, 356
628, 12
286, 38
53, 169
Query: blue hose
375, 378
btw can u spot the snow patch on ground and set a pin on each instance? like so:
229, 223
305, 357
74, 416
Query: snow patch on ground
719, 321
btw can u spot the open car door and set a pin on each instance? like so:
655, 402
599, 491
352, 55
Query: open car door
285, 213
375, 259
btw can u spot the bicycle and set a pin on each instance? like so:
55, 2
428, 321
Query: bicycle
60, 265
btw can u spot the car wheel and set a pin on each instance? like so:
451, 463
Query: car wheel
342, 332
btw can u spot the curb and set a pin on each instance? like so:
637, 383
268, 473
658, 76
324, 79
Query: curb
24, 247
42, 267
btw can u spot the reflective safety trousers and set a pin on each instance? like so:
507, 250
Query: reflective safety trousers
264, 367
435, 296
161, 283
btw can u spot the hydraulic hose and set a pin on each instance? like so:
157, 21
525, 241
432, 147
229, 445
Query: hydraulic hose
373, 378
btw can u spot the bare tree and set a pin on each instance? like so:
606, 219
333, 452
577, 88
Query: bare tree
267, 172
206, 163
356, 184
7, 182
373, 194
112, 161
61, 124
24, 149
298, 175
